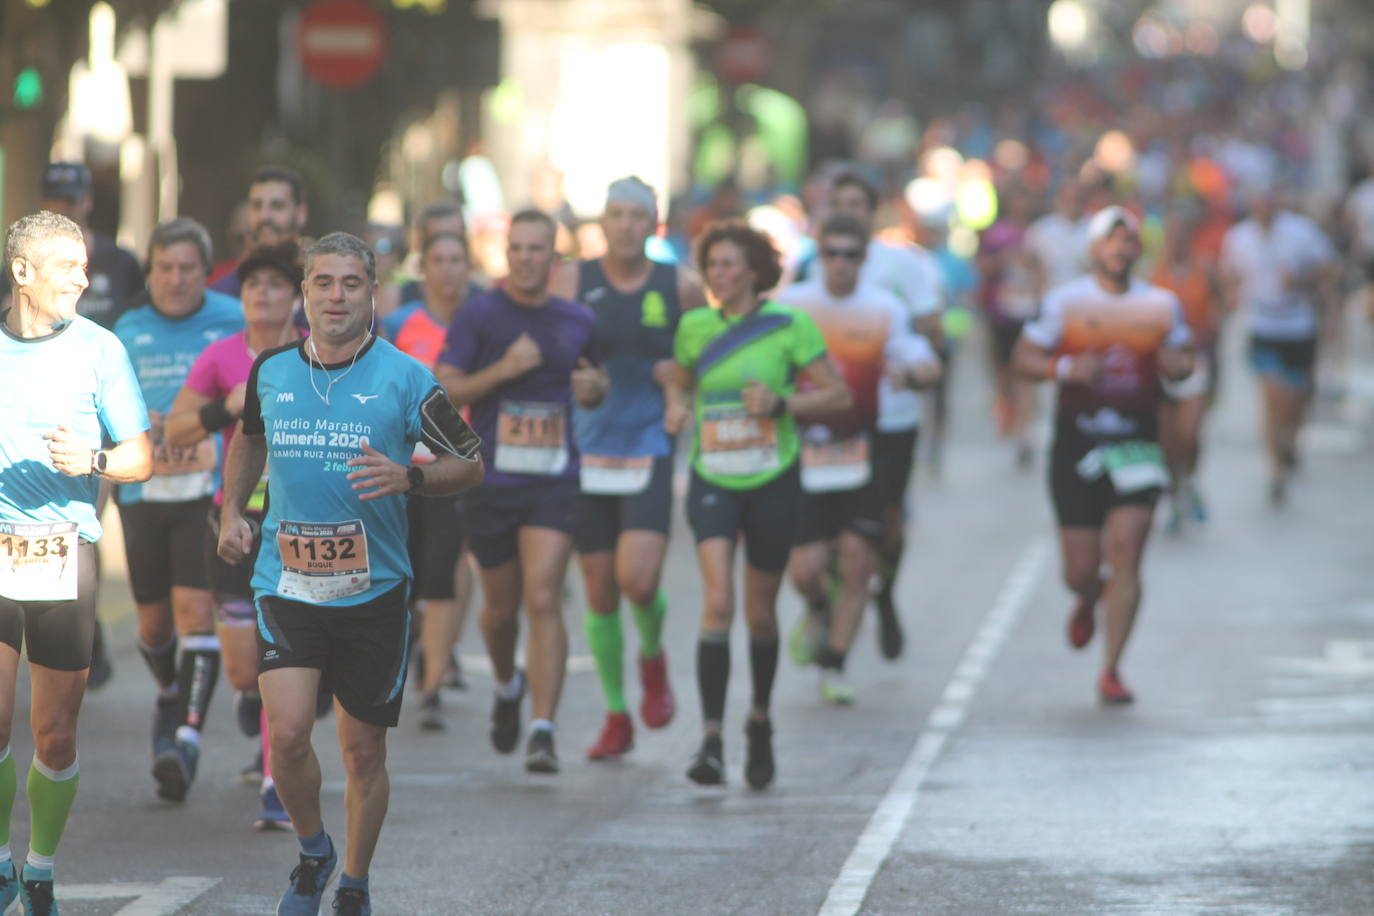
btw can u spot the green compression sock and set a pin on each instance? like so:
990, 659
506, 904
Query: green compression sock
608, 648
649, 622
9, 784
51, 793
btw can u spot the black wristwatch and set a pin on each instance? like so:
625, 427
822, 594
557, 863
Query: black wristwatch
99, 460
416, 475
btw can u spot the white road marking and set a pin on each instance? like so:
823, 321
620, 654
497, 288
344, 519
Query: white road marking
856, 877
1331, 440
577, 664
1344, 658
163, 899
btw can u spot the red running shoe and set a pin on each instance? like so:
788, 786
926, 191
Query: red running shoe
1081, 625
1111, 691
657, 706
616, 738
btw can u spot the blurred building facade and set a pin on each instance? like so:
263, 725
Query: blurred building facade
550, 99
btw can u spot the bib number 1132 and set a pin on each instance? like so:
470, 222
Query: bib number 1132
322, 562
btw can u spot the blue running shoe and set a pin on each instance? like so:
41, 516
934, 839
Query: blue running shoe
37, 897
352, 901
1198, 506
166, 719
308, 881
273, 815
9, 889
174, 769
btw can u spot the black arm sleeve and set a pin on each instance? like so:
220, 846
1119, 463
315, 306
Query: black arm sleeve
252, 407
252, 404
443, 428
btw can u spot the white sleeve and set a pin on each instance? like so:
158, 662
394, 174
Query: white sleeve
1030, 241
920, 282
908, 351
1228, 251
1046, 328
906, 347
1319, 247
1179, 333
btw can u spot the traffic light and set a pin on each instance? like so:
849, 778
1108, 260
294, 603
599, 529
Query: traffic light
28, 89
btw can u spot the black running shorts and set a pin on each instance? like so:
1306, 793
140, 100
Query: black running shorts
893, 455
766, 516
602, 518
437, 532
822, 516
1080, 503
1004, 336
496, 515
57, 634
165, 545
231, 584
360, 651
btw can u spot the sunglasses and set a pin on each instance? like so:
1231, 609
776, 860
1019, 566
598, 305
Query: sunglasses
853, 254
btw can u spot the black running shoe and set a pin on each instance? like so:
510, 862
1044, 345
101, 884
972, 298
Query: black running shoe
36, 898
505, 719
540, 756
890, 636
248, 712
759, 768
352, 901
708, 763
431, 713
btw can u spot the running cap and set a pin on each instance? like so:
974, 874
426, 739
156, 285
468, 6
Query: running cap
65, 181
633, 190
1105, 221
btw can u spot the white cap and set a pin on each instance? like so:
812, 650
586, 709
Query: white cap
1105, 221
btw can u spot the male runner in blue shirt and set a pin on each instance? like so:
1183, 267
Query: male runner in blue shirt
335, 418
64, 381
165, 519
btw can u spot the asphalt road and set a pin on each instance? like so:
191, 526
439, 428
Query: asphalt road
975, 776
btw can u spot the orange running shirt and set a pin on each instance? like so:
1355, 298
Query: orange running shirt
1126, 329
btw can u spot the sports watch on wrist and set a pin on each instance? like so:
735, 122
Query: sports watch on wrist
99, 460
416, 475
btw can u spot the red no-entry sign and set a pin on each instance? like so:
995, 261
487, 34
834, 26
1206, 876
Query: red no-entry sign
341, 42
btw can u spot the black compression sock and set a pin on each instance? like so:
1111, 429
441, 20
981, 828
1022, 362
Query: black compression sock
713, 674
763, 665
162, 661
889, 562
197, 678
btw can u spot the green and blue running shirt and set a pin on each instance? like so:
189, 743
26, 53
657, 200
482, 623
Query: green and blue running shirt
770, 345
